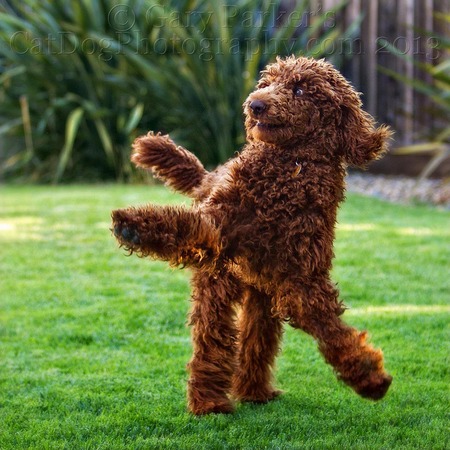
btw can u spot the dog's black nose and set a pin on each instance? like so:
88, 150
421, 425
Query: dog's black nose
258, 107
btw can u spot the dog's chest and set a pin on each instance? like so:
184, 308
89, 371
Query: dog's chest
273, 191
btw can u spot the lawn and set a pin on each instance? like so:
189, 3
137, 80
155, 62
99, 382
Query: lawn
93, 344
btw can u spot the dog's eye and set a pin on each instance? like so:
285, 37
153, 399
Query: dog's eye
298, 91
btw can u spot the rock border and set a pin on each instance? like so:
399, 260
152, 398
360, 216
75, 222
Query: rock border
400, 189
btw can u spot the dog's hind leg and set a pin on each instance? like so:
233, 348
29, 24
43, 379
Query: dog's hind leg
259, 340
175, 234
356, 362
176, 166
214, 337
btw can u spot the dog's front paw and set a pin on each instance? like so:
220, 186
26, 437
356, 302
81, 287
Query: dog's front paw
149, 151
126, 234
125, 231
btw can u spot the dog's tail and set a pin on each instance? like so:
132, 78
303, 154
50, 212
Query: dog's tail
177, 167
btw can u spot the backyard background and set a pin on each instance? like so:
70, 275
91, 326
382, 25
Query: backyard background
79, 80
93, 345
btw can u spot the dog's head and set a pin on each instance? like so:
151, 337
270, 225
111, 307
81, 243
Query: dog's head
305, 100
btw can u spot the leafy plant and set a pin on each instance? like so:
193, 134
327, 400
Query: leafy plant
438, 91
77, 112
94, 74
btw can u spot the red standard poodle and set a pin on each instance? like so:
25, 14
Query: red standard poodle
260, 232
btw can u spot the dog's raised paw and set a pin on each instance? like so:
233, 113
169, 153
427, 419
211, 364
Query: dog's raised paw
126, 235
130, 235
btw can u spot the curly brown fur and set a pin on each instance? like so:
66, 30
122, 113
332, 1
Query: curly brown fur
258, 344
260, 234
174, 164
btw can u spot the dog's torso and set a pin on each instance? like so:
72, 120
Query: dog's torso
276, 212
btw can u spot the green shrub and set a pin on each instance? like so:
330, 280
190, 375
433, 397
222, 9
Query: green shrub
80, 79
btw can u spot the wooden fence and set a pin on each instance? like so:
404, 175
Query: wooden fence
403, 24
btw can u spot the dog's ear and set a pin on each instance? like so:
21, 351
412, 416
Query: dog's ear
360, 140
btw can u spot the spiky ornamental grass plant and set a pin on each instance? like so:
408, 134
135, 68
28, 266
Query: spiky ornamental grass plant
80, 79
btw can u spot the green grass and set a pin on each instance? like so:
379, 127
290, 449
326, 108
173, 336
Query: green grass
93, 345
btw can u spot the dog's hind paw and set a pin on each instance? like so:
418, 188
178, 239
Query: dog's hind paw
258, 397
376, 387
200, 408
